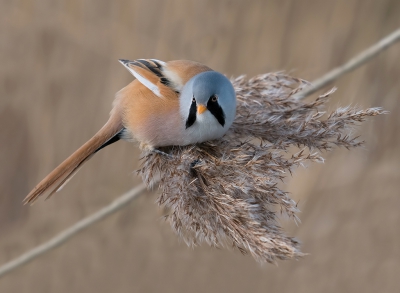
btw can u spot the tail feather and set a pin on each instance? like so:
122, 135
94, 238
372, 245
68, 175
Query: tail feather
60, 176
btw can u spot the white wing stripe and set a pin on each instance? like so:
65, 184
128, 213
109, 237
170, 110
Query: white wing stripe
151, 86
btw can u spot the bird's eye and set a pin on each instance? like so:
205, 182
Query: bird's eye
193, 100
214, 98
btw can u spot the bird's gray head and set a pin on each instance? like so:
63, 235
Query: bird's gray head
208, 104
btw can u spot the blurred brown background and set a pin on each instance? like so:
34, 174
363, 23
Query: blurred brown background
58, 75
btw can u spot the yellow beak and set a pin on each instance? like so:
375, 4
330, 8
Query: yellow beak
201, 109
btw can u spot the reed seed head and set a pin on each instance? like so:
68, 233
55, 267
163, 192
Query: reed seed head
225, 192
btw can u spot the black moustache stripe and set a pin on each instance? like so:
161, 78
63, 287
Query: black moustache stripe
217, 111
192, 115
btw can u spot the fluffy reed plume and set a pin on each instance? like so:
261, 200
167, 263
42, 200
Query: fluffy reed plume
225, 192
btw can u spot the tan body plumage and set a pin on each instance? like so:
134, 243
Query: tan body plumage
149, 117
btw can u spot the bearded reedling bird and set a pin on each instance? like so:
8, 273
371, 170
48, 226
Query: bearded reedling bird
169, 103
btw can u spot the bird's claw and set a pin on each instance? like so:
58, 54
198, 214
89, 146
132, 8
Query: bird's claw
162, 153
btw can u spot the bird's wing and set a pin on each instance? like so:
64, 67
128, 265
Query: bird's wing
152, 74
164, 78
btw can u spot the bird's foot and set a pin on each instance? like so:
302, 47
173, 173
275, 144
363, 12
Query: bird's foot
162, 153
147, 147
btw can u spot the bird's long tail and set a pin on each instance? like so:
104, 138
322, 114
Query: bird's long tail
53, 182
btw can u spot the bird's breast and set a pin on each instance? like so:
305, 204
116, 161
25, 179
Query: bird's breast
206, 127
149, 119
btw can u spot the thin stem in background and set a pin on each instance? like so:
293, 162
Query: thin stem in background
352, 64
68, 233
